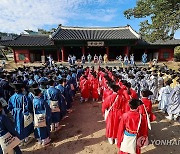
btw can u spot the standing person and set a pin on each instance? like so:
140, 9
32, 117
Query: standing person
130, 125
154, 87
132, 60
19, 105
73, 59
85, 89
89, 57
41, 108
126, 60
144, 58
160, 81
6, 126
50, 60
105, 58
114, 105
95, 87
100, 59
164, 94
70, 59
53, 96
173, 108
83, 59
95, 58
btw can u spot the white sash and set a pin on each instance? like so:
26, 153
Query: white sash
28, 119
148, 120
39, 119
128, 144
8, 142
107, 111
53, 104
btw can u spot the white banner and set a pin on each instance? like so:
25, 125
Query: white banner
95, 43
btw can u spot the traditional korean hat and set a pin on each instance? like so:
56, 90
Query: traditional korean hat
134, 103
17, 86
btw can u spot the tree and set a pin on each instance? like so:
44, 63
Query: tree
164, 18
177, 53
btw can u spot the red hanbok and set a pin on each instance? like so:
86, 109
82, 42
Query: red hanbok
133, 95
113, 119
129, 122
94, 88
85, 89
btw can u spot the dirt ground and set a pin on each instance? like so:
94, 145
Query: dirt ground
83, 132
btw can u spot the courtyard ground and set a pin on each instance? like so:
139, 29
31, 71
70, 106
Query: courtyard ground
83, 132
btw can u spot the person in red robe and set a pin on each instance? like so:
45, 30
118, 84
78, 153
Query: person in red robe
95, 87
113, 102
129, 94
85, 89
146, 111
148, 104
129, 126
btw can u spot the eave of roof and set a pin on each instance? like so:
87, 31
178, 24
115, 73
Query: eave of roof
29, 41
94, 33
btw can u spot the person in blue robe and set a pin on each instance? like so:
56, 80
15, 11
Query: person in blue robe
5, 88
36, 77
61, 87
40, 107
15, 106
53, 94
74, 79
164, 94
6, 126
144, 58
173, 108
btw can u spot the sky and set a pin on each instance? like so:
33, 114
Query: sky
18, 15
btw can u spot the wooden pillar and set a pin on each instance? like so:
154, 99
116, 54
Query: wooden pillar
126, 51
63, 54
107, 51
29, 58
58, 55
83, 50
43, 53
15, 59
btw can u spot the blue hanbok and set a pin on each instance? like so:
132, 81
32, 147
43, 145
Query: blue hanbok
7, 126
63, 105
163, 98
174, 101
53, 94
15, 105
41, 107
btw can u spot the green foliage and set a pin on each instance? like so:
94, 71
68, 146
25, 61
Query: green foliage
177, 53
164, 18
7, 34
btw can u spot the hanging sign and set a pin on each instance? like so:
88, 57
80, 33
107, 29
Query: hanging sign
95, 43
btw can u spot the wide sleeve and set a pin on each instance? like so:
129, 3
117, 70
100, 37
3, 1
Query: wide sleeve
106, 104
9, 125
121, 130
10, 104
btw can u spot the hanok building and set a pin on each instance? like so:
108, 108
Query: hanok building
77, 41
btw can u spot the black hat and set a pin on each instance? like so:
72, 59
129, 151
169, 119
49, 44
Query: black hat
134, 103
17, 86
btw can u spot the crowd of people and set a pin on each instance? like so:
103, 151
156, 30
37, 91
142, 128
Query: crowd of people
127, 96
34, 100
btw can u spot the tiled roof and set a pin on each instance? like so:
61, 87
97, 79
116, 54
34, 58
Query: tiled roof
166, 42
159, 42
29, 41
82, 33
